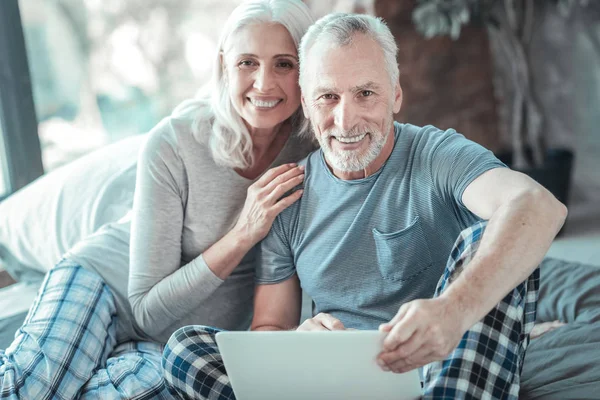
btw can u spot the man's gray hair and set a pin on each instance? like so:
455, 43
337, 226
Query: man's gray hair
339, 28
229, 140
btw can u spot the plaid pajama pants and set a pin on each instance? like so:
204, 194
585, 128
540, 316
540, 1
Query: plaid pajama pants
67, 347
486, 364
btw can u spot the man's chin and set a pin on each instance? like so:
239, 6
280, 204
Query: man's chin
347, 165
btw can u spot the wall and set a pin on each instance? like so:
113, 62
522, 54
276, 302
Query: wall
446, 83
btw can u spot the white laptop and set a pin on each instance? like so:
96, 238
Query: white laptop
289, 365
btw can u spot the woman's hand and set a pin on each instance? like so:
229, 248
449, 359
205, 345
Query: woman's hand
264, 201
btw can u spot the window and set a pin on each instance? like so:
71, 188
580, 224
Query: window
102, 70
20, 159
4, 179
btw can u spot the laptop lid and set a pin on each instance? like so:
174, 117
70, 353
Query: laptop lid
294, 365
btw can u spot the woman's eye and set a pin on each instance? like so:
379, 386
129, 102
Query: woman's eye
246, 63
285, 64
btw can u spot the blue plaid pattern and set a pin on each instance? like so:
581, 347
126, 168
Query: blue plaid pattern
486, 364
133, 371
488, 361
66, 340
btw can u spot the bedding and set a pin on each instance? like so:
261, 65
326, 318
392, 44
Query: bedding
15, 301
565, 363
40, 222
561, 364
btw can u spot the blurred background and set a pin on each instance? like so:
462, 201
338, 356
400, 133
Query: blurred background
521, 77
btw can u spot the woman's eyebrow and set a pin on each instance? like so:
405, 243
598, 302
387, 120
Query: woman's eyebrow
275, 56
286, 55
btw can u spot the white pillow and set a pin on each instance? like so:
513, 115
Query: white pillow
40, 222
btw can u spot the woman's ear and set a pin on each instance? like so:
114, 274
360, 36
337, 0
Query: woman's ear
222, 62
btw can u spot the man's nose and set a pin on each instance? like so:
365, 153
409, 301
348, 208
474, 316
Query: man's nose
345, 115
265, 79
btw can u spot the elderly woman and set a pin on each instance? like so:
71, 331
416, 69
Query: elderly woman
211, 178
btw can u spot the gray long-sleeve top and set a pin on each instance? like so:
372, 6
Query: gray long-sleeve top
184, 202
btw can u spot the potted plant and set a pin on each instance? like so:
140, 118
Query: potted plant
509, 24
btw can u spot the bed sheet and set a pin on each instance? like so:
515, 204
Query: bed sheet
564, 363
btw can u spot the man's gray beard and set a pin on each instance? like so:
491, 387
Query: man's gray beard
349, 161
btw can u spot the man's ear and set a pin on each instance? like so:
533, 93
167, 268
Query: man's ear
397, 97
304, 108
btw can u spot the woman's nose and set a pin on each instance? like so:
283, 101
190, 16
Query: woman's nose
265, 80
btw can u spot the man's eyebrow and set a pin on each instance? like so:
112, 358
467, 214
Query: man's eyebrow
275, 56
326, 89
367, 86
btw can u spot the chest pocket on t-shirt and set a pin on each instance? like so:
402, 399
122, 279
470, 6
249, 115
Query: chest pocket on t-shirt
404, 254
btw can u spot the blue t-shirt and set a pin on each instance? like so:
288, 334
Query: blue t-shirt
362, 248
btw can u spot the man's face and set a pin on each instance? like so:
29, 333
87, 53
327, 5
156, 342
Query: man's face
350, 100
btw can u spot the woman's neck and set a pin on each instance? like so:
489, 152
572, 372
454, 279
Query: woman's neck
266, 146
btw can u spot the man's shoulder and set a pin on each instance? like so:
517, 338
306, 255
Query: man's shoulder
311, 162
423, 139
421, 132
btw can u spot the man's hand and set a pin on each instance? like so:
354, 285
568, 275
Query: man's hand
322, 322
422, 331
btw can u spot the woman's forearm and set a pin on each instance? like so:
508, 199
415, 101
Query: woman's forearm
180, 293
223, 256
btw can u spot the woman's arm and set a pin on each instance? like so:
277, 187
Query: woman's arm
161, 291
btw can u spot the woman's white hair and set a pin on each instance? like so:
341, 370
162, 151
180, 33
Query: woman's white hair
339, 28
230, 142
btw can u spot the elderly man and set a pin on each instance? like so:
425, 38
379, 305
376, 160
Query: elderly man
382, 206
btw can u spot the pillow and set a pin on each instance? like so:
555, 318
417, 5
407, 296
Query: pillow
43, 220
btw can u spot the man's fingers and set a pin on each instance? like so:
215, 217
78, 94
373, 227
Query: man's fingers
399, 315
330, 322
405, 350
418, 359
311, 325
322, 322
400, 333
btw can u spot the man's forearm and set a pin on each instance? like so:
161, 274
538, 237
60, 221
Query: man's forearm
515, 241
272, 328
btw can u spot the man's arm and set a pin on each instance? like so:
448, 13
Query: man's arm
523, 219
277, 306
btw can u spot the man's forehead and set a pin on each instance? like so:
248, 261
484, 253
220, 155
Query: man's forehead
340, 71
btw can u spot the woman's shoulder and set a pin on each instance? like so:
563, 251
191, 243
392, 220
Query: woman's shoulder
178, 133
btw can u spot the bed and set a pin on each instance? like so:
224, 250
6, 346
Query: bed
42, 221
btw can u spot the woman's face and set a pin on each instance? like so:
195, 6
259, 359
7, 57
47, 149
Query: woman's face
261, 67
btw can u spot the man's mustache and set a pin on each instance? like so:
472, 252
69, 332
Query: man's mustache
356, 131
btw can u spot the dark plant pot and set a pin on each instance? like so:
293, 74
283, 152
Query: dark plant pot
554, 175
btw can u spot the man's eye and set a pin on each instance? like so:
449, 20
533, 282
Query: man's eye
327, 97
366, 93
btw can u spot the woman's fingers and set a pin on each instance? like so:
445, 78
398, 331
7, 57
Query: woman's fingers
273, 173
283, 179
280, 190
286, 202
